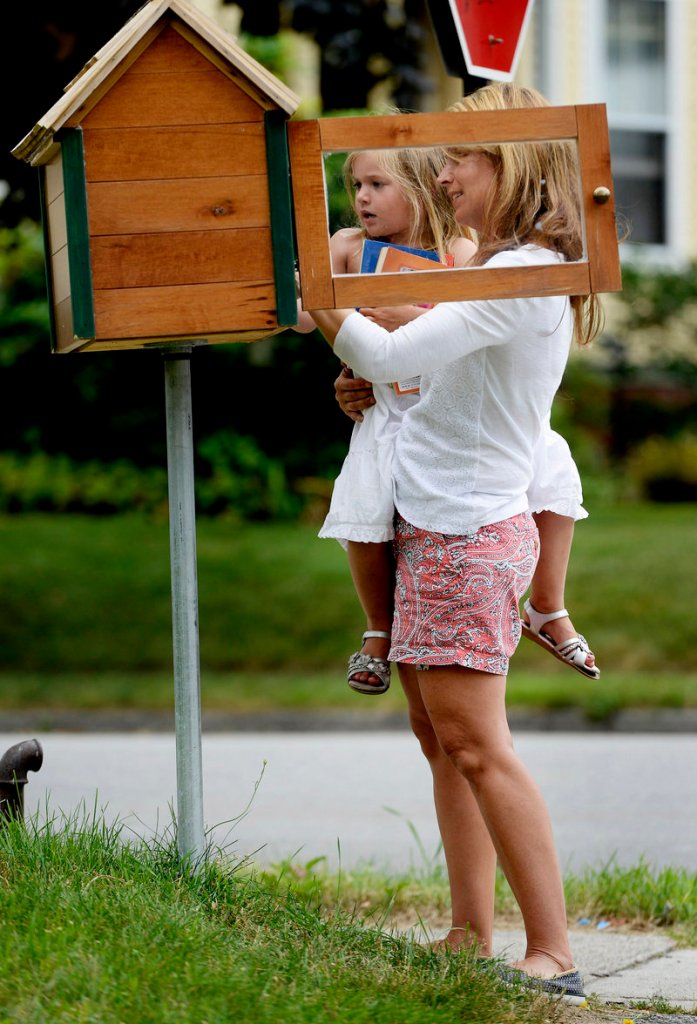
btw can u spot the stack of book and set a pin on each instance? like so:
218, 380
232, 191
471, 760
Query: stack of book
384, 258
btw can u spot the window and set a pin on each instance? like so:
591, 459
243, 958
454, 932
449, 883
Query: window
636, 83
620, 52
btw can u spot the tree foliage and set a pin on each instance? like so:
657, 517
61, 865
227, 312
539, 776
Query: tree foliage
362, 42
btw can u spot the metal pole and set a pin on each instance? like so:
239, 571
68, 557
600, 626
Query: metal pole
182, 536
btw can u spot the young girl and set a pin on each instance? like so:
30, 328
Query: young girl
397, 199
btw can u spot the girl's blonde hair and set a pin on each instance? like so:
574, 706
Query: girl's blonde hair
414, 171
536, 197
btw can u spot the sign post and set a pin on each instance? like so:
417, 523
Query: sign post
185, 640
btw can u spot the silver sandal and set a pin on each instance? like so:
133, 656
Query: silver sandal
360, 662
572, 652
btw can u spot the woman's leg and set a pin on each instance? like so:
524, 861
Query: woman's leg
469, 853
468, 715
372, 571
549, 582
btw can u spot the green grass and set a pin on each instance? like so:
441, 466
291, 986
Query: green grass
641, 896
100, 928
95, 929
85, 615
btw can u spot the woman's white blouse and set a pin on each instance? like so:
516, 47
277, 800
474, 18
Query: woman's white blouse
489, 372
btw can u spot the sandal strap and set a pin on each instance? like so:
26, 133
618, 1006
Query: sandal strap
540, 619
376, 633
360, 662
378, 667
576, 644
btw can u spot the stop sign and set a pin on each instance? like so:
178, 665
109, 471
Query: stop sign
491, 34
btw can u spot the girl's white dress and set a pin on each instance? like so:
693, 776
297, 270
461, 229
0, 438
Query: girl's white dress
362, 504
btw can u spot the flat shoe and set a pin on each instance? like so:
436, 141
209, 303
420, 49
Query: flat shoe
572, 652
567, 987
380, 667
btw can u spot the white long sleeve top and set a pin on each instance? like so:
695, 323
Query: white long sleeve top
489, 372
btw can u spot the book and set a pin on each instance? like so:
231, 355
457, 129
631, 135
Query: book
382, 258
372, 249
394, 260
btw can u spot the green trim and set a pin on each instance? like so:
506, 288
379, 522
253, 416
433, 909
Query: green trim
282, 237
75, 185
49, 282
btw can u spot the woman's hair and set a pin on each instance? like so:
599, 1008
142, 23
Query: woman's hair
536, 198
414, 171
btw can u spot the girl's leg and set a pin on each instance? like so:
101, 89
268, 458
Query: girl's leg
549, 582
468, 714
470, 856
372, 571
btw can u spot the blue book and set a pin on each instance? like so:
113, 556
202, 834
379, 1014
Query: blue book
372, 249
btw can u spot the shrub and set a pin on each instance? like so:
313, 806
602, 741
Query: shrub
665, 469
237, 479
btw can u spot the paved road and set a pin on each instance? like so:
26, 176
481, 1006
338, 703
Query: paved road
366, 796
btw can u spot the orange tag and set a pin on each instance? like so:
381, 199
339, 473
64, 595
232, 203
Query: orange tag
407, 387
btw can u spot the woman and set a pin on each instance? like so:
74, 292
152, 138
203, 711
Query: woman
465, 543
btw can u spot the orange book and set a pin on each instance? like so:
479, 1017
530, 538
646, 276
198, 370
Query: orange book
398, 259
392, 260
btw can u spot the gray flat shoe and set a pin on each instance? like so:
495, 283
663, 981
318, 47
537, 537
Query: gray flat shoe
567, 987
380, 667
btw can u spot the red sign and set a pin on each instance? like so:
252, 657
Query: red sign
491, 34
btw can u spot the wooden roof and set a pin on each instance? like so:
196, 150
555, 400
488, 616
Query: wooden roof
35, 147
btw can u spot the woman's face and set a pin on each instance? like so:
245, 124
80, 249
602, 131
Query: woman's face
380, 203
468, 182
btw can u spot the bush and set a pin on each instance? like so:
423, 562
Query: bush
43, 483
239, 477
236, 478
665, 469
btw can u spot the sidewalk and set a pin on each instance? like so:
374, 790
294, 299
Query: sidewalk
625, 968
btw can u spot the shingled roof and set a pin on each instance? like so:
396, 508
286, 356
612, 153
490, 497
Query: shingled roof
90, 84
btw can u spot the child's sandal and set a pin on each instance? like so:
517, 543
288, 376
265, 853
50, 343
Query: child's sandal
360, 662
572, 652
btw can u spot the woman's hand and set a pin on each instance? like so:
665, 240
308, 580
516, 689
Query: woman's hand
353, 394
392, 317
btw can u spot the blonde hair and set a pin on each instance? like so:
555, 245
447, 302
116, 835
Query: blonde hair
536, 195
414, 171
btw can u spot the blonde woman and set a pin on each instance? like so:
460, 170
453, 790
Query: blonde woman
465, 543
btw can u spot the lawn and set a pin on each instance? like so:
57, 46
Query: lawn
85, 615
100, 928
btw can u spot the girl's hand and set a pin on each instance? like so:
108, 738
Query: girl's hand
353, 394
392, 317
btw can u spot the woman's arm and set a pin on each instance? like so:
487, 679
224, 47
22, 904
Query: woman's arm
392, 317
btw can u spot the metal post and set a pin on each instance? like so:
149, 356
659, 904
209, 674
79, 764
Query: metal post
182, 535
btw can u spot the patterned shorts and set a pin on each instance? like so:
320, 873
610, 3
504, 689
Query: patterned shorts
456, 597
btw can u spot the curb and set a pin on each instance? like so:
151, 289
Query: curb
632, 720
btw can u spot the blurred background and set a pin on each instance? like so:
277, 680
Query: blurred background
84, 571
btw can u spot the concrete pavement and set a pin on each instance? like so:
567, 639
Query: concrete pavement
366, 798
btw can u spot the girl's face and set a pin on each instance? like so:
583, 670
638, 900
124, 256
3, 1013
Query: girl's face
468, 182
383, 208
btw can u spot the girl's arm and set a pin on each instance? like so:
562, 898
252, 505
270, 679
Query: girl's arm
344, 249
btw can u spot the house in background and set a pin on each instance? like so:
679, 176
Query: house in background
637, 56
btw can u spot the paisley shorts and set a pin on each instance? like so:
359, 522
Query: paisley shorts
456, 597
